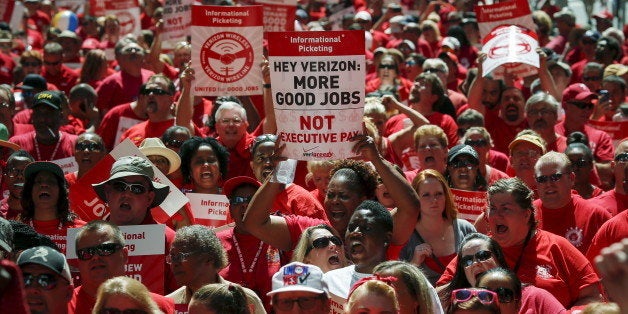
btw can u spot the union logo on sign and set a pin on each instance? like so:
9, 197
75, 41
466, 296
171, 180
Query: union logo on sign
226, 57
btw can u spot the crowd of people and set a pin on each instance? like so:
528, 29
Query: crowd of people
388, 231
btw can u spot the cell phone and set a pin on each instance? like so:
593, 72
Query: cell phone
604, 95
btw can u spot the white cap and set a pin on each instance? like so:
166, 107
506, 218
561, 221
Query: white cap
297, 276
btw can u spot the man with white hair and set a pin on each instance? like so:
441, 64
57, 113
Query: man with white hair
231, 127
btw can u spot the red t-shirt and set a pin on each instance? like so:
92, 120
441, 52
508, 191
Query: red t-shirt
6, 69
64, 80
297, 224
502, 133
109, 125
498, 160
82, 302
403, 89
577, 221
46, 152
262, 259
139, 132
296, 200
56, 231
610, 232
319, 196
120, 88
240, 158
614, 202
494, 175
600, 142
549, 262
444, 121
537, 300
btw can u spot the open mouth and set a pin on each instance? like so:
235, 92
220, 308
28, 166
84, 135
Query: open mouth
44, 195
125, 206
501, 229
430, 159
151, 106
206, 175
356, 248
334, 260
336, 215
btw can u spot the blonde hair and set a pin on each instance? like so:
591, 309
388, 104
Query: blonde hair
372, 287
431, 130
127, 287
301, 249
316, 165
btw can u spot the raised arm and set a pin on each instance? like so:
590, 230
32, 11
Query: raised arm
477, 87
547, 81
270, 123
185, 108
406, 199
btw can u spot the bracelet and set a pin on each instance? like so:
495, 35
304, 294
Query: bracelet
266, 85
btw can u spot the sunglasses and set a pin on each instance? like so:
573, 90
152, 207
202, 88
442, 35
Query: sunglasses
135, 188
582, 105
131, 50
45, 281
387, 66
323, 242
623, 157
479, 256
105, 249
237, 200
14, 172
305, 303
31, 64
90, 146
580, 163
433, 70
476, 143
154, 91
462, 164
463, 295
591, 78
179, 257
504, 295
111, 310
552, 177
174, 143
52, 63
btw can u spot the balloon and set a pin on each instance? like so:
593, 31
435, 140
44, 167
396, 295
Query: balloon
65, 21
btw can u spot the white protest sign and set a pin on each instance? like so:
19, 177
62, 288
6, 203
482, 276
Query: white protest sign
177, 19
209, 209
510, 49
128, 14
227, 50
68, 164
318, 91
125, 123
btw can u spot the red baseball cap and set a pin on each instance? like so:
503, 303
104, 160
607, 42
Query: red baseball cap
578, 92
604, 15
235, 182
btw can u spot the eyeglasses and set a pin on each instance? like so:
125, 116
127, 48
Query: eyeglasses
130, 50
531, 153
591, 78
154, 91
477, 143
237, 200
14, 173
463, 295
44, 281
323, 242
305, 303
433, 70
52, 63
623, 157
457, 164
504, 295
174, 143
179, 257
387, 66
543, 112
479, 256
135, 188
111, 310
580, 163
105, 249
90, 146
582, 105
30, 64
552, 177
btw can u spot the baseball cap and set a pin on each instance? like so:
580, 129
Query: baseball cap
69, 34
35, 167
449, 55
451, 42
595, 35
235, 182
297, 276
48, 98
47, 257
604, 15
362, 15
462, 149
34, 81
133, 166
528, 138
578, 92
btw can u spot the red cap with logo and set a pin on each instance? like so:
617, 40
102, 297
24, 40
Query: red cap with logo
578, 92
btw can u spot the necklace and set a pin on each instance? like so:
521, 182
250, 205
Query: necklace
54, 152
242, 265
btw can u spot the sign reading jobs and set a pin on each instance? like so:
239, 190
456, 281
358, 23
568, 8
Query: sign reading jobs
318, 91
227, 50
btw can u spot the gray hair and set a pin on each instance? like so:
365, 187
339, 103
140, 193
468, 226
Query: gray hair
204, 240
542, 97
553, 157
229, 105
436, 63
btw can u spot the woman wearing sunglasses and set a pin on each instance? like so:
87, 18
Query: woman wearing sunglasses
389, 80
45, 202
480, 139
463, 169
474, 301
321, 246
538, 257
507, 287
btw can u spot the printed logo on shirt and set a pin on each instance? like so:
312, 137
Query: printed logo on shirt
575, 236
544, 271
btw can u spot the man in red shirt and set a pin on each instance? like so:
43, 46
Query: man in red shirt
54, 71
542, 115
616, 200
102, 255
6, 61
559, 210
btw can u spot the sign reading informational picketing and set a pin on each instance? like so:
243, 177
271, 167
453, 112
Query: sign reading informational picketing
146, 248
177, 19
68, 164
279, 15
470, 204
227, 50
618, 130
85, 202
210, 210
515, 12
510, 50
128, 14
318, 91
